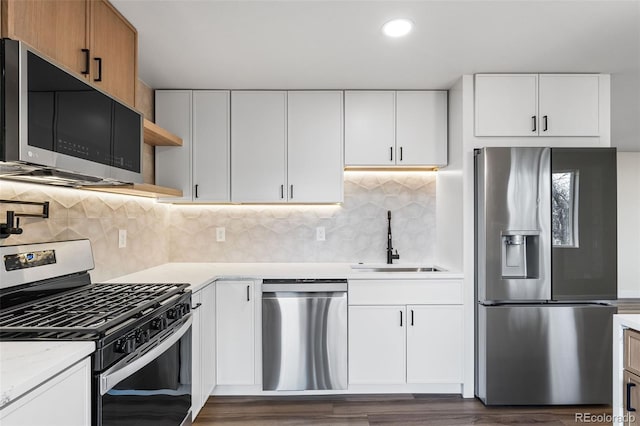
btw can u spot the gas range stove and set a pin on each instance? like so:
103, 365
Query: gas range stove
138, 328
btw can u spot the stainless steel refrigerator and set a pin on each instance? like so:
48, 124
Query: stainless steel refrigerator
545, 274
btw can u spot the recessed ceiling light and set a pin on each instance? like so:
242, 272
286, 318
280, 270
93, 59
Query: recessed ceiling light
397, 27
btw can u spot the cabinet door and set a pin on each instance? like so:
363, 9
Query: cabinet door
113, 51
506, 105
421, 128
569, 104
173, 164
631, 396
377, 344
315, 166
211, 146
434, 344
369, 128
258, 147
56, 28
235, 332
196, 354
62, 401
208, 340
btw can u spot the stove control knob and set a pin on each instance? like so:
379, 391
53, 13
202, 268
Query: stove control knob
126, 345
173, 313
142, 337
159, 323
187, 308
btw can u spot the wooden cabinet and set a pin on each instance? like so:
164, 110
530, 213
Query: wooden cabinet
114, 50
286, 147
89, 37
258, 147
377, 342
235, 333
537, 105
315, 168
394, 342
388, 128
200, 167
61, 401
203, 347
631, 377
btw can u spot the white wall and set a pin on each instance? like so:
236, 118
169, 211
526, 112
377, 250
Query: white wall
629, 224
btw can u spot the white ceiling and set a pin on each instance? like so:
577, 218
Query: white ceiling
337, 44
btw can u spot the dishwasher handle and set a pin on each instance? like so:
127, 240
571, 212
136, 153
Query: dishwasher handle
305, 288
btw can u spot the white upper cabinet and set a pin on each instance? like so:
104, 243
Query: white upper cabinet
173, 164
421, 134
314, 146
506, 105
537, 105
569, 104
258, 148
389, 128
200, 167
211, 173
369, 129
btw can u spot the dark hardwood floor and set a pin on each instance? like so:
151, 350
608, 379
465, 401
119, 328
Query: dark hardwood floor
405, 409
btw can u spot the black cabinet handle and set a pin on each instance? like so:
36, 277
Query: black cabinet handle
400, 153
412, 317
196, 190
535, 127
282, 192
629, 386
248, 293
87, 56
292, 192
545, 126
193, 308
400, 318
391, 153
99, 61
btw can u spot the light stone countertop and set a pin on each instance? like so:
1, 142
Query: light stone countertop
26, 365
199, 274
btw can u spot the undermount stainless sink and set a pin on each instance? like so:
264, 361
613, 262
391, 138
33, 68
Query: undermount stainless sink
366, 268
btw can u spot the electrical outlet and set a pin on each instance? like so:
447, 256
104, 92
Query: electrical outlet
122, 238
320, 233
220, 234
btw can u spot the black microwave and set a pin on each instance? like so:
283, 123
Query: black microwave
57, 128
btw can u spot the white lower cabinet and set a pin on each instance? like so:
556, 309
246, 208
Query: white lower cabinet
235, 332
403, 343
376, 345
434, 344
64, 400
203, 353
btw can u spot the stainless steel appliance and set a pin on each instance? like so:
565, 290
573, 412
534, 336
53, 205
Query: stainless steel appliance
304, 334
142, 332
545, 274
58, 129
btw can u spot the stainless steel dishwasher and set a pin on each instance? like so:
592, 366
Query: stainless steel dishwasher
304, 334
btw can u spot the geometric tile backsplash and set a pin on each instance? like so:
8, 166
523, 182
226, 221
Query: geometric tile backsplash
355, 231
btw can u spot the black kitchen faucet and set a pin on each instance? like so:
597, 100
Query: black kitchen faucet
390, 255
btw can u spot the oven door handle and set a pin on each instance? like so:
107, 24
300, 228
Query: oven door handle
116, 374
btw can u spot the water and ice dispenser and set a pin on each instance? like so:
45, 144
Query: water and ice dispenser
519, 256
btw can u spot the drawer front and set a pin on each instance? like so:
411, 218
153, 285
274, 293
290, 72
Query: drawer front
632, 351
405, 292
631, 398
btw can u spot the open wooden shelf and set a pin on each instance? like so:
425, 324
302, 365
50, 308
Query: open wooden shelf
138, 189
157, 136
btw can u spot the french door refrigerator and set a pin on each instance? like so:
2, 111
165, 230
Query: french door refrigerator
545, 274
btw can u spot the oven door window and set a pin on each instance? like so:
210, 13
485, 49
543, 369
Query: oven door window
158, 394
